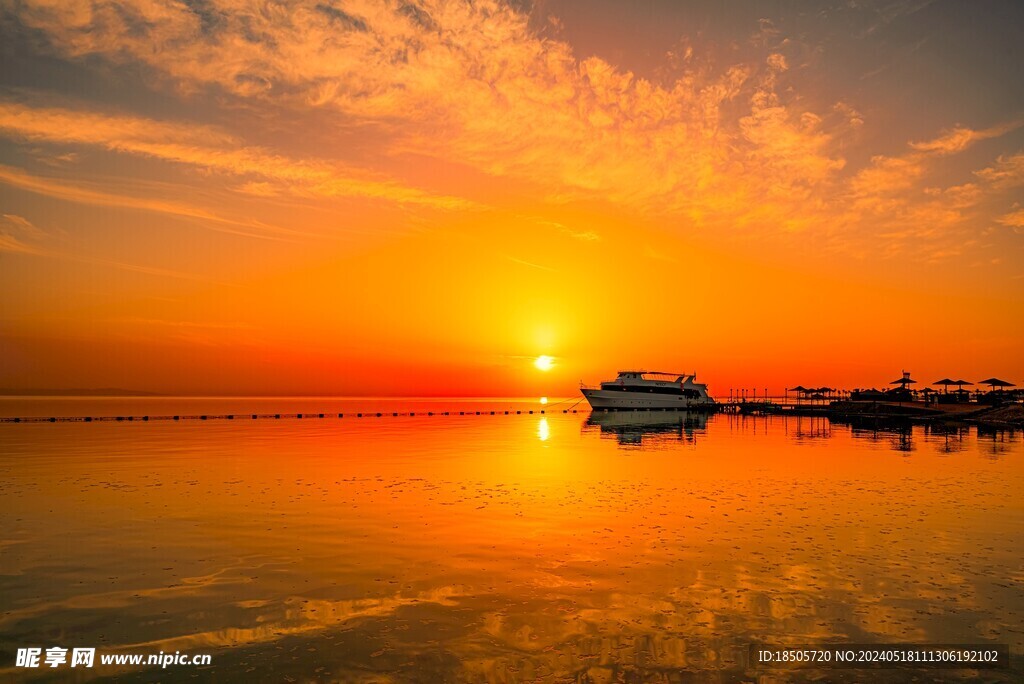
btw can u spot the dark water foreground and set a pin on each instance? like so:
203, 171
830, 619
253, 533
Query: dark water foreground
555, 548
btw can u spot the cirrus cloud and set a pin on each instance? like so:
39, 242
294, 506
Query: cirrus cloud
733, 150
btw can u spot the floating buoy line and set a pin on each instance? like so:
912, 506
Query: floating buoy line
284, 416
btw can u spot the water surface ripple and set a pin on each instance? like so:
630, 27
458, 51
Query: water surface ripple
554, 548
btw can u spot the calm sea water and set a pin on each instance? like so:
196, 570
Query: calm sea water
505, 548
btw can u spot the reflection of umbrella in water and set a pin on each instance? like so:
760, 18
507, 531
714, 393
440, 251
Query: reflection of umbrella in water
996, 382
945, 382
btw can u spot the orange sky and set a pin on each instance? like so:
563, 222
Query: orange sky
420, 198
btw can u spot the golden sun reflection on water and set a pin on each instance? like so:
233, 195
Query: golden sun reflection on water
543, 430
506, 548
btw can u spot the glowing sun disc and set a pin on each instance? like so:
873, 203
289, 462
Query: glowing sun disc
544, 363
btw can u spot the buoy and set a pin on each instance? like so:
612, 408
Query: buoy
175, 417
341, 415
254, 416
146, 418
200, 418
299, 416
413, 414
53, 420
394, 415
359, 415
492, 413
378, 415
230, 417
277, 416
88, 419
321, 415
531, 412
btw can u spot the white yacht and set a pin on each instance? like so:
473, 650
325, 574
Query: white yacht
649, 390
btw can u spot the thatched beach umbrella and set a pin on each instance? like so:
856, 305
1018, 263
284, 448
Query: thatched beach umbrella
903, 382
945, 382
996, 382
799, 388
960, 384
823, 392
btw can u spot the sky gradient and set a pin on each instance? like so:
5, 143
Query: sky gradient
399, 198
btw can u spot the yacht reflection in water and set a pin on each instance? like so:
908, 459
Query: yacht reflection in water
648, 428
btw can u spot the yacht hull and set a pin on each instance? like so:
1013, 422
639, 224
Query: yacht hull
618, 399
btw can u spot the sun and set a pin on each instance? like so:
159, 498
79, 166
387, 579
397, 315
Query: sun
544, 363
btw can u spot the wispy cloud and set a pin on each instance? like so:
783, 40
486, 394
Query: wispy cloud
224, 334
892, 198
888, 12
1015, 220
578, 234
137, 268
652, 253
205, 148
960, 138
735, 149
72, 192
19, 235
529, 264
892, 175
471, 83
1007, 172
